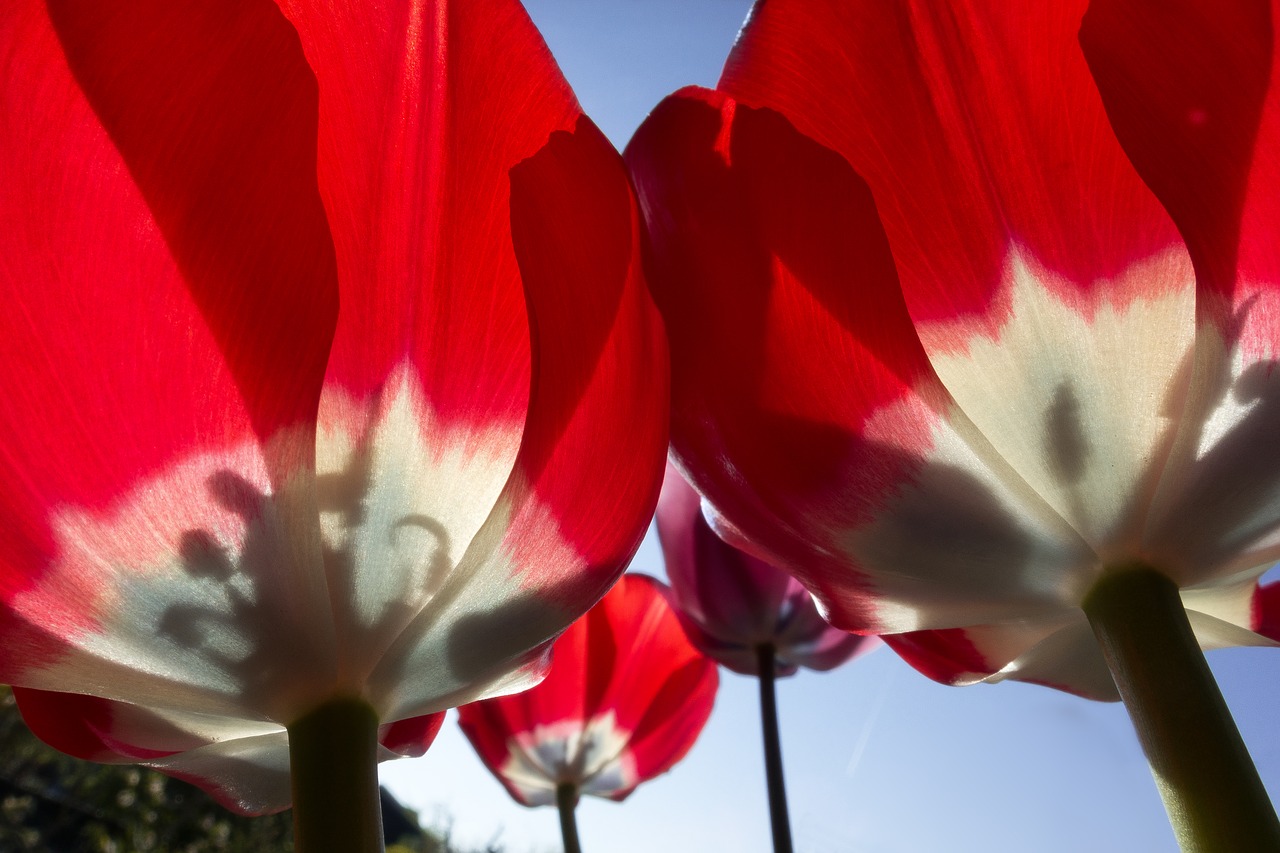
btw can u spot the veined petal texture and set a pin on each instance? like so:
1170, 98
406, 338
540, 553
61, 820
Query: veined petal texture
974, 339
328, 351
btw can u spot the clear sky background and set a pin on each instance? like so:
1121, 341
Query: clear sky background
878, 758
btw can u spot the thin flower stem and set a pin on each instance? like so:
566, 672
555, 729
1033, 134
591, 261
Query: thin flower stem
567, 801
1211, 790
333, 756
778, 818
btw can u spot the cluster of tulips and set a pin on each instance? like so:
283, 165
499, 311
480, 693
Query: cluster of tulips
342, 356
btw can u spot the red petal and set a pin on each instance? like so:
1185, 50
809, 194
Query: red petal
978, 128
659, 685
1064, 653
1267, 610
1184, 85
756, 233
1019, 227
486, 726
413, 736
168, 271
1194, 94
82, 727
242, 765
424, 110
595, 442
586, 480
945, 655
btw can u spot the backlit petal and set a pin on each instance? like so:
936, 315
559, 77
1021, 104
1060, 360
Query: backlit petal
170, 282
1050, 288
588, 472
798, 374
626, 697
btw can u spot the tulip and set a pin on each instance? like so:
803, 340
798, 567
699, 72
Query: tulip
973, 327
732, 604
746, 615
331, 389
626, 698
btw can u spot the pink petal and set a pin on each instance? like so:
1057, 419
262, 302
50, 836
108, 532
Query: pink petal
732, 603
732, 594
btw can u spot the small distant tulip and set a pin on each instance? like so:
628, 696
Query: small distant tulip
733, 603
626, 697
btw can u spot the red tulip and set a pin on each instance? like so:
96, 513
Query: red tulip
328, 372
732, 604
955, 410
626, 698
1035, 374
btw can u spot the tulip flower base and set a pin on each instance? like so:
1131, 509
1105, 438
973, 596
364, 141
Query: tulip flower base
567, 803
1208, 782
333, 753
779, 820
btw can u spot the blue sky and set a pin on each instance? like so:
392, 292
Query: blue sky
878, 758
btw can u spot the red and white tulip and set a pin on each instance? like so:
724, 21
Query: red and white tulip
626, 698
969, 307
327, 370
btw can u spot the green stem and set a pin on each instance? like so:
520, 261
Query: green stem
1211, 790
333, 757
778, 818
567, 801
